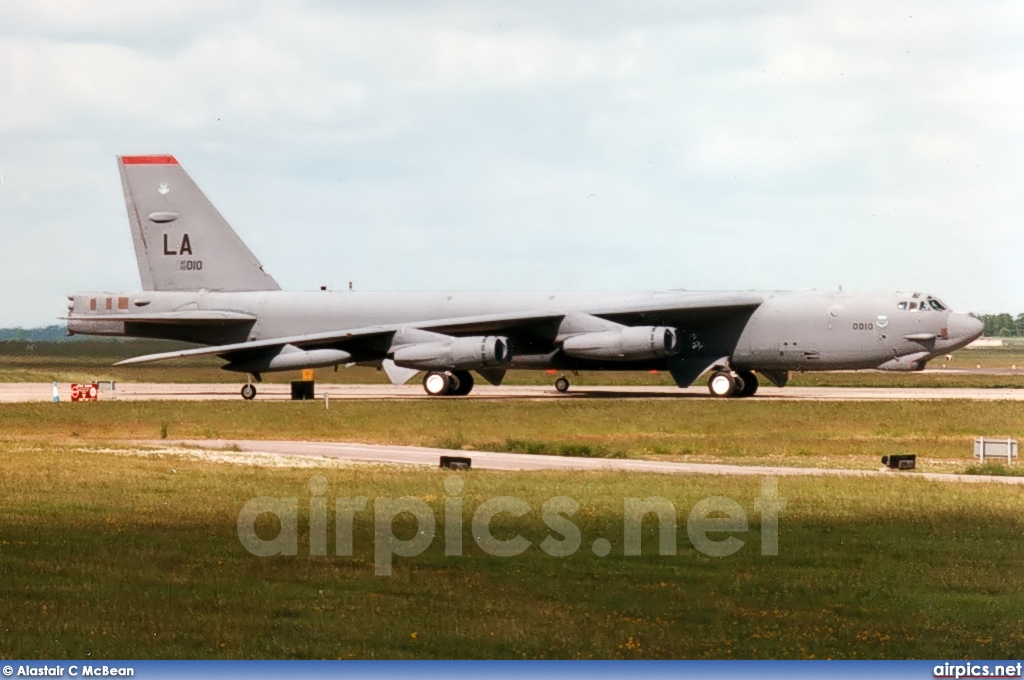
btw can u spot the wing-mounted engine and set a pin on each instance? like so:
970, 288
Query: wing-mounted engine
628, 343
584, 336
437, 352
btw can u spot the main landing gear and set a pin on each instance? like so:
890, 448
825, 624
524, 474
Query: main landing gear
725, 384
448, 383
562, 384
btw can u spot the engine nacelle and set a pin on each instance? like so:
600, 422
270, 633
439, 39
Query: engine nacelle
455, 354
627, 344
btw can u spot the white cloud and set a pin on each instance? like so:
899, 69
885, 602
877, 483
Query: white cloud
804, 144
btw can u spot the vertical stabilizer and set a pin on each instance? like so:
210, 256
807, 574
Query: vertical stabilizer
181, 242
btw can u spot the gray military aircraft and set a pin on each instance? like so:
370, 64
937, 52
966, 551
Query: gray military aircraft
201, 284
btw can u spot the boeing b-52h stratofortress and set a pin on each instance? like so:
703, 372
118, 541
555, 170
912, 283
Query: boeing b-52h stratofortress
201, 284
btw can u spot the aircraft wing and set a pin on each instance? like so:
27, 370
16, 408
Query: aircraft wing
477, 324
309, 340
671, 308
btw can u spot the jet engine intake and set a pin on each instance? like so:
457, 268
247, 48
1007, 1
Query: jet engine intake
627, 344
455, 354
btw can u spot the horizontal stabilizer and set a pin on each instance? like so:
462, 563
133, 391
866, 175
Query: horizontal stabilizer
189, 317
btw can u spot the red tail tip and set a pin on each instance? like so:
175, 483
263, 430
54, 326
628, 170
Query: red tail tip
149, 160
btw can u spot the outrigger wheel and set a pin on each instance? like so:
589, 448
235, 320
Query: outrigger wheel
248, 391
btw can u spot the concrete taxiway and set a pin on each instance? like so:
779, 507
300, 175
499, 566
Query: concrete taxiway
25, 392
423, 456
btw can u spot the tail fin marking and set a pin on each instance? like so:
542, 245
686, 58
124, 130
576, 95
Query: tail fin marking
181, 242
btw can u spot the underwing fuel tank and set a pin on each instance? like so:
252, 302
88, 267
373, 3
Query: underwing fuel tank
627, 344
290, 358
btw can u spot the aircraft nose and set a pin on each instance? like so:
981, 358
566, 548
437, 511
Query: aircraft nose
963, 327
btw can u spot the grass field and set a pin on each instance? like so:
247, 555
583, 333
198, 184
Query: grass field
106, 556
821, 434
91, 360
136, 556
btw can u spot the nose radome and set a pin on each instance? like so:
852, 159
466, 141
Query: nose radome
964, 327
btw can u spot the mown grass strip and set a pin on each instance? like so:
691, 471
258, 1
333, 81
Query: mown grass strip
851, 434
105, 556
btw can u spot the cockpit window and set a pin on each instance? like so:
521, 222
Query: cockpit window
936, 305
901, 305
913, 306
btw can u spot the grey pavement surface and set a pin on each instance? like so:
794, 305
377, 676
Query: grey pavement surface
24, 392
423, 456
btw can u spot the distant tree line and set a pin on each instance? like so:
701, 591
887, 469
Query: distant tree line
53, 333
1003, 325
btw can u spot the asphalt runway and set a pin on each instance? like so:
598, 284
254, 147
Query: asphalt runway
27, 392
417, 455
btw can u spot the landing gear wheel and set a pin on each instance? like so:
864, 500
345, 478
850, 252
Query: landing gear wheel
464, 385
749, 384
248, 392
437, 383
562, 384
722, 384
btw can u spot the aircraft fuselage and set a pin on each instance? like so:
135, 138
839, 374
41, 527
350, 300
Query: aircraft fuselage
787, 331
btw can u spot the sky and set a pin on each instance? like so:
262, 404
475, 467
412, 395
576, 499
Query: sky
705, 145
